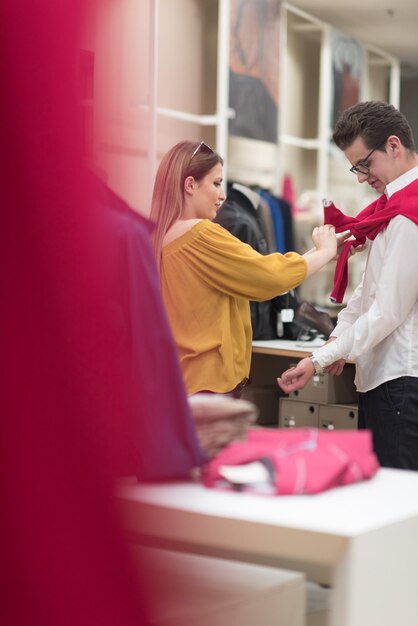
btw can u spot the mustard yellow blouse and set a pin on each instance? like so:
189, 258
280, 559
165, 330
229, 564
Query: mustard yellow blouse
208, 278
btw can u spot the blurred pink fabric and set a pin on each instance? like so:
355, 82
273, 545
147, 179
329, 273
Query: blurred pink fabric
299, 461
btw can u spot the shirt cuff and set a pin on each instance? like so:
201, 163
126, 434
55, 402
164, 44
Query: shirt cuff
328, 354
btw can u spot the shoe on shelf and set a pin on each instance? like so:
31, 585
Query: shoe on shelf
309, 318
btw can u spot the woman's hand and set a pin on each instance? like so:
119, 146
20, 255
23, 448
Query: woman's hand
296, 378
324, 238
325, 241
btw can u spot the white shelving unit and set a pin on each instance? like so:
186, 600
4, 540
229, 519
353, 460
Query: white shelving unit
214, 125
305, 106
167, 65
161, 75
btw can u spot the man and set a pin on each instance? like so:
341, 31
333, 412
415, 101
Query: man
379, 327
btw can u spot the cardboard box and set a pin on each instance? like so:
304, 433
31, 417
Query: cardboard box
338, 416
326, 389
295, 414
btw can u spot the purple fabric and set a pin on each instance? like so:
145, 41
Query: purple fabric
163, 442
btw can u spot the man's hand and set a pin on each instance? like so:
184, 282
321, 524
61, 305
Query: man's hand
341, 239
336, 368
296, 377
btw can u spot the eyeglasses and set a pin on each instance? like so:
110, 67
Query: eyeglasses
201, 146
361, 167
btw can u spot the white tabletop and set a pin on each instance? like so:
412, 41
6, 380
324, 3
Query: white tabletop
362, 539
390, 496
287, 344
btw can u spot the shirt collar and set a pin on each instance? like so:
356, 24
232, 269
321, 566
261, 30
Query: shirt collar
402, 181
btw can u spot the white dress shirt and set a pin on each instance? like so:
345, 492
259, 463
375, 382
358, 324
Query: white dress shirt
378, 329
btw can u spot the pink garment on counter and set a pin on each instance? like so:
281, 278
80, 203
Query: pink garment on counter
299, 461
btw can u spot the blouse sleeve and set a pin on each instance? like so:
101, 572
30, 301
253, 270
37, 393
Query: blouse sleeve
234, 267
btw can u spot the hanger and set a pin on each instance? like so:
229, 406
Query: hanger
251, 195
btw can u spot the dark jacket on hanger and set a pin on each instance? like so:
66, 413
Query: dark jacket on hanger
240, 217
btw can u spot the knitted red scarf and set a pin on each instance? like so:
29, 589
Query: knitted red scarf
368, 224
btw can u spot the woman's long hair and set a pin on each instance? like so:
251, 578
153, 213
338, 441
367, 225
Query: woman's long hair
186, 158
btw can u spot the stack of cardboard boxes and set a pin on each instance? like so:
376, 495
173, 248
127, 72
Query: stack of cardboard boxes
262, 388
328, 402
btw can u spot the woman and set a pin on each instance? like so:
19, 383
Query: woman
208, 276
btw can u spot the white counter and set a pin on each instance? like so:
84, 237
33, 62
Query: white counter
362, 539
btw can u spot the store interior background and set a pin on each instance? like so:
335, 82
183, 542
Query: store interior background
157, 71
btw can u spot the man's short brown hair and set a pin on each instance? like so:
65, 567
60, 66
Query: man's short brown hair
374, 122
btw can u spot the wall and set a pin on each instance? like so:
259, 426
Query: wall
121, 86
409, 100
187, 67
186, 81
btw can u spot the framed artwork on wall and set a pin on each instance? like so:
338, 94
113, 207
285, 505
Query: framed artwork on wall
348, 72
254, 69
